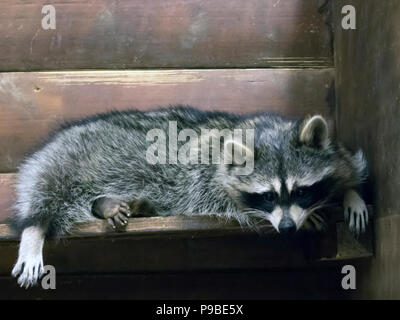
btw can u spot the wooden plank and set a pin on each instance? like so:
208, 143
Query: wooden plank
368, 96
352, 247
368, 113
6, 196
190, 244
31, 104
176, 225
160, 34
166, 253
305, 283
143, 226
379, 278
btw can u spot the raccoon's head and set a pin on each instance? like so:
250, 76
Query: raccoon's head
294, 167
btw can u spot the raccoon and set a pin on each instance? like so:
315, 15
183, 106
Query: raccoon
95, 168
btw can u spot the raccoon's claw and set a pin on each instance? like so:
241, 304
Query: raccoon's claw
29, 266
115, 211
120, 218
118, 221
315, 222
357, 219
318, 222
28, 271
355, 212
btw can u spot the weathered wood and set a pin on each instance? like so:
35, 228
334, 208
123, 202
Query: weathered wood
6, 196
31, 104
160, 34
350, 246
177, 225
368, 113
379, 278
180, 243
309, 283
167, 253
143, 226
368, 95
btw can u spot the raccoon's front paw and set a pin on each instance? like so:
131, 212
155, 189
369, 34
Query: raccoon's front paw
28, 270
355, 212
315, 222
115, 211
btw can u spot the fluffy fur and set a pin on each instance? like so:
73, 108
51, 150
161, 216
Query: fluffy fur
105, 156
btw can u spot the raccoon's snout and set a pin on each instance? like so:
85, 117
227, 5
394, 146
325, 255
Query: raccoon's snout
287, 226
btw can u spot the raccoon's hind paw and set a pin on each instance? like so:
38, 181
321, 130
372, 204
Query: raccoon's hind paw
115, 211
28, 270
355, 212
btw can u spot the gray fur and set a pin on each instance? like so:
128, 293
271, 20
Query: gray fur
105, 156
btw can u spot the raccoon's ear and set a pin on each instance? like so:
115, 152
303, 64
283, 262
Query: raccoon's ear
314, 132
236, 153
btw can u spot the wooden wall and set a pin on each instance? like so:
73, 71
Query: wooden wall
368, 95
231, 55
238, 56
173, 34
163, 34
314, 283
33, 103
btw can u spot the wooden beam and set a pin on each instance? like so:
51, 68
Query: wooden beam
177, 225
181, 243
32, 104
368, 113
6, 196
299, 284
157, 34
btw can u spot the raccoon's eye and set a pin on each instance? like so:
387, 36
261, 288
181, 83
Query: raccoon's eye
300, 192
270, 196
261, 201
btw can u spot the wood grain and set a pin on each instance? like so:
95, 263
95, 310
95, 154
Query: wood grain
143, 226
163, 34
181, 243
299, 284
33, 103
6, 197
368, 75
162, 252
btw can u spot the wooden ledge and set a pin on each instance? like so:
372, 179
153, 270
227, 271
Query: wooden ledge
172, 244
179, 225
147, 226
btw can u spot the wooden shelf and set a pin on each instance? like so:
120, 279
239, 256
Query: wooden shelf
160, 244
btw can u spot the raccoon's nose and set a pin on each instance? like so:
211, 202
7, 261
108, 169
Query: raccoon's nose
287, 226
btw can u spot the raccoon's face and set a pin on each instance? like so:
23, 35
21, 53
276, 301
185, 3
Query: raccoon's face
292, 177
